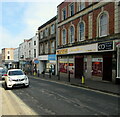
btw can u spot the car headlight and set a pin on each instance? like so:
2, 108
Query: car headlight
10, 79
26, 78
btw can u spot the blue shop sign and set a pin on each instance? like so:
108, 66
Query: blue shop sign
52, 57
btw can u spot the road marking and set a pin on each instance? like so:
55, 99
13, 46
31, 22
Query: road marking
85, 88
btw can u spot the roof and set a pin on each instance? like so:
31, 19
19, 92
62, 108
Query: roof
48, 22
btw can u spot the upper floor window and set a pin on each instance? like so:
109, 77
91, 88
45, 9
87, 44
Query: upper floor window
71, 34
81, 6
41, 49
29, 53
34, 42
81, 31
52, 47
46, 48
34, 53
64, 37
52, 28
71, 9
41, 34
8, 57
8, 52
29, 44
103, 24
64, 14
46, 32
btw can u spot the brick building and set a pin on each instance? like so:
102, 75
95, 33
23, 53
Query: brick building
88, 39
47, 46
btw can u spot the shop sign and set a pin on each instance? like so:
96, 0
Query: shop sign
44, 57
83, 49
105, 46
52, 57
63, 61
62, 51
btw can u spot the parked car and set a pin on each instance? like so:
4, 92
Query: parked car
15, 78
2, 72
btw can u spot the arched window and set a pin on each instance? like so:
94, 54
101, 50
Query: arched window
64, 37
81, 31
103, 24
71, 34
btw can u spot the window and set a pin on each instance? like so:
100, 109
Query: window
34, 53
29, 53
41, 34
103, 25
8, 52
29, 44
46, 32
64, 37
34, 42
81, 6
46, 48
71, 8
81, 31
52, 47
64, 14
52, 29
8, 57
71, 34
41, 49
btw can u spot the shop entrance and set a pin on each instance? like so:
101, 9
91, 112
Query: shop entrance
78, 66
107, 67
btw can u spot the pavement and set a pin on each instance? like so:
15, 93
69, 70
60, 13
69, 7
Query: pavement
103, 86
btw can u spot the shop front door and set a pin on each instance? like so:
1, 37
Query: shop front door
107, 67
79, 67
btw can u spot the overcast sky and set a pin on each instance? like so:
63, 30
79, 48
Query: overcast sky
20, 19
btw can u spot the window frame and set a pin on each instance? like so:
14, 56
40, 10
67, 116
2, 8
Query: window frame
64, 9
101, 27
79, 34
71, 13
64, 36
71, 37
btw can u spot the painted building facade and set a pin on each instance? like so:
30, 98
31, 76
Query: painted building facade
47, 46
8, 57
88, 39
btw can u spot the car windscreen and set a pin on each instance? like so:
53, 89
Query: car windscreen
12, 73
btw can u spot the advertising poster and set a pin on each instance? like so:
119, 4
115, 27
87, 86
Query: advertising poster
97, 66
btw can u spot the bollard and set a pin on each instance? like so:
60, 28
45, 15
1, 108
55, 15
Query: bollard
69, 76
49, 73
58, 75
34, 73
83, 80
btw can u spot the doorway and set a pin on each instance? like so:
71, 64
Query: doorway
107, 67
78, 66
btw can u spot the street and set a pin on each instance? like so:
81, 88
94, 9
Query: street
50, 98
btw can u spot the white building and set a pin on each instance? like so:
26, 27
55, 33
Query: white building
28, 53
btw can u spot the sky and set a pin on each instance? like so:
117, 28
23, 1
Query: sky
20, 19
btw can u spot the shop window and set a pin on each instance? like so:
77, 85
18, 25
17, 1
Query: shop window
97, 67
63, 65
